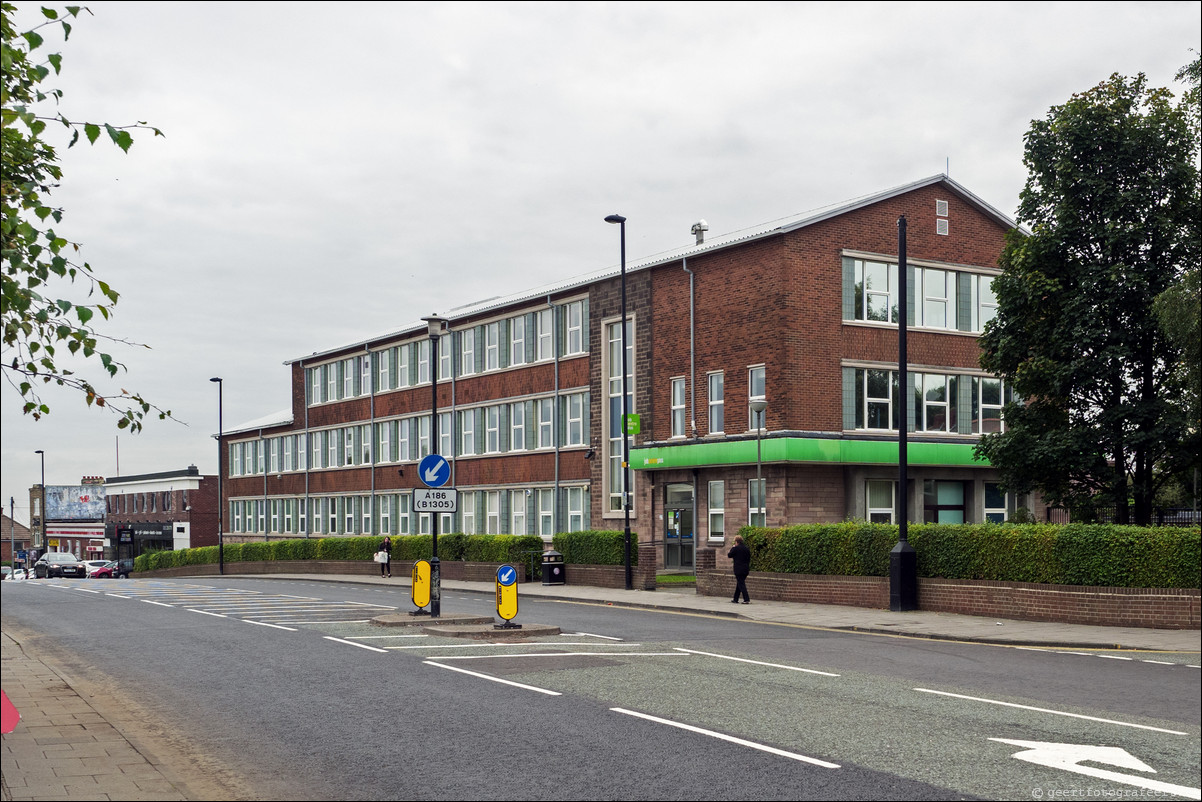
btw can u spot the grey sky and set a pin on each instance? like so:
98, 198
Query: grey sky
334, 171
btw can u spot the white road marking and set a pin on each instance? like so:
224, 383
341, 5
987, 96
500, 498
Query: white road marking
588, 635
1053, 712
160, 604
262, 624
494, 679
557, 654
1069, 756
758, 662
360, 645
206, 612
732, 739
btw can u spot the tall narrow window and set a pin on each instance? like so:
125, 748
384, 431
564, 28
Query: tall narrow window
444, 357
546, 422
545, 323
467, 431
492, 426
383, 377
492, 501
995, 503
879, 500
517, 340
546, 513
575, 422
756, 502
717, 510
467, 509
446, 435
423, 361
492, 346
678, 407
756, 389
517, 427
577, 502
517, 512
574, 315
615, 475
467, 352
402, 366
717, 403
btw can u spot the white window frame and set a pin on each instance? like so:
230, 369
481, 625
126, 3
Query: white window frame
492, 430
574, 325
877, 513
545, 324
678, 396
716, 402
467, 352
574, 436
517, 511
717, 512
492, 514
546, 422
492, 346
576, 507
546, 513
467, 432
753, 420
517, 340
402, 366
517, 426
423, 361
467, 512
752, 510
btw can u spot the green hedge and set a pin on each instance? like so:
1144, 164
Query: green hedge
595, 547
1070, 554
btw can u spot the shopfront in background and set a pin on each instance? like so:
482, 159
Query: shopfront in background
129, 541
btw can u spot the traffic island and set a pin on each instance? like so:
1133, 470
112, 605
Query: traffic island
473, 627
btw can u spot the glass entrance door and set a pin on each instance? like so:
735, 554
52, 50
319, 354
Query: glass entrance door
679, 537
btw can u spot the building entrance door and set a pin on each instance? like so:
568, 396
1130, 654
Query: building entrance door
678, 526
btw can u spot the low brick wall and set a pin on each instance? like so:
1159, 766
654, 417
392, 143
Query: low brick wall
469, 572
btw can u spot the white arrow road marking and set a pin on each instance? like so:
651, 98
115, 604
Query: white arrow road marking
1068, 756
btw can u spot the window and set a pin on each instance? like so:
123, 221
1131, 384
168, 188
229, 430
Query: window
879, 500
348, 514
467, 352
717, 510
404, 512
983, 302
383, 377
577, 503
755, 392
446, 434
492, 346
385, 430
575, 432
402, 435
467, 509
402, 366
492, 430
988, 396
364, 374
423, 435
365, 516
467, 431
935, 402
331, 381
943, 502
288, 466
574, 317
678, 407
444, 356
995, 503
517, 512
385, 506
615, 476
875, 291
546, 422
348, 378
517, 341
492, 502
517, 427
717, 403
756, 503
423, 361
544, 321
365, 444
348, 440
546, 513
315, 385
937, 289
875, 391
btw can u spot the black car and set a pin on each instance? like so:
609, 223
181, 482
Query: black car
59, 563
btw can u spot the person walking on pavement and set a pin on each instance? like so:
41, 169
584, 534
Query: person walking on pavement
741, 555
386, 563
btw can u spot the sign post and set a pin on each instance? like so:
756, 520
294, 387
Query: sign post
507, 597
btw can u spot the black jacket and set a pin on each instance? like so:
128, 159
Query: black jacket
742, 558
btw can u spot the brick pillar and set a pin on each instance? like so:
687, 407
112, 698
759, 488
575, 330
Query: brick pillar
643, 575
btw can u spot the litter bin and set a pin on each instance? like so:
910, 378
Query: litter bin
553, 568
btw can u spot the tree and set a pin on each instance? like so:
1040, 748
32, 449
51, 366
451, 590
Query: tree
38, 262
1112, 202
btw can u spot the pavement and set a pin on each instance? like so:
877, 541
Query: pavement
64, 748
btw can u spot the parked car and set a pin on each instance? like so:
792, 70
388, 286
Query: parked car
104, 569
122, 568
6, 570
91, 565
59, 563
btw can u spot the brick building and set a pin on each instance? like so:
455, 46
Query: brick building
800, 315
160, 512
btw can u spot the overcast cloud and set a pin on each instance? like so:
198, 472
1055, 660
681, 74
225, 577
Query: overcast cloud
335, 171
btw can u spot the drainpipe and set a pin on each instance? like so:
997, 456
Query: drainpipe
371, 431
692, 354
555, 416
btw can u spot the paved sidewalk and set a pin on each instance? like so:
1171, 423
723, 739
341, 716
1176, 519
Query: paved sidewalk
64, 749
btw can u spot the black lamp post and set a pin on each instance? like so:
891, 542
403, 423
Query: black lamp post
903, 560
220, 471
758, 405
436, 326
621, 221
42, 502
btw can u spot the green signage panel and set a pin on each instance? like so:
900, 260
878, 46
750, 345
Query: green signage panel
633, 424
801, 450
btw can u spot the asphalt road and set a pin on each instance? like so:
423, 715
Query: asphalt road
286, 686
